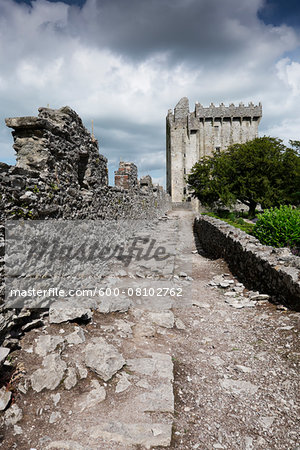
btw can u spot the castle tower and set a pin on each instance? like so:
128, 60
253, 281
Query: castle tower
192, 135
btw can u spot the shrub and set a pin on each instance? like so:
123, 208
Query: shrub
279, 227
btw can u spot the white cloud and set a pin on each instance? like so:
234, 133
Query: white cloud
32, 74
289, 73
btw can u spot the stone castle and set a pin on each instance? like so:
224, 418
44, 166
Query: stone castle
192, 135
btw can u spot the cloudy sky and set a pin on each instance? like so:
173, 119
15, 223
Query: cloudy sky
124, 63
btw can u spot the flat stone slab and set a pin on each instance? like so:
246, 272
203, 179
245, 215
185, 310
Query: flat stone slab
159, 365
113, 304
66, 445
25, 122
145, 434
158, 399
239, 387
103, 358
163, 319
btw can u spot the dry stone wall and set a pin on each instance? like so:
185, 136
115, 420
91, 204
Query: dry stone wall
60, 174
269, 270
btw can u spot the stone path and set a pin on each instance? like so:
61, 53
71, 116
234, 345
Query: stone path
143, 371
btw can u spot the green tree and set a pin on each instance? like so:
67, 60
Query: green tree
262, 171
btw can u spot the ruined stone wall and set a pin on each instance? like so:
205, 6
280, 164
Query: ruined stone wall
56, 142
192, 135
61, 175
269, 270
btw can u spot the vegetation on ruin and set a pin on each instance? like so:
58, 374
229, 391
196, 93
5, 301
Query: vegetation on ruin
262, 171
279, 227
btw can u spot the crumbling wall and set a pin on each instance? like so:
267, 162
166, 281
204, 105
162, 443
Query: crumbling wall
269, 270
60, 174
126, 176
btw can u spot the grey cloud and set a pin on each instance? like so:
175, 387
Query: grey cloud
185, 30
141, 145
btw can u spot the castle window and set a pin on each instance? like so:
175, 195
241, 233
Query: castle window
184, 191
184, 171
193, 131
218, 148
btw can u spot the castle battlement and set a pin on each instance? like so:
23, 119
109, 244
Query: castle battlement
230, 111
182, 112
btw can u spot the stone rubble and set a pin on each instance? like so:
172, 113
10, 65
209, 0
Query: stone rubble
4, 352
60, 174
13, 415
123, 383
71, 379
5, 397
103, 358
46, 344
63, 314
96, 395
236, 294
50, 375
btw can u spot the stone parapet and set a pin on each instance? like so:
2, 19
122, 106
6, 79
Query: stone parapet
182, 112
230, 111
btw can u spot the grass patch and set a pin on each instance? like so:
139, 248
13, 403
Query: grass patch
232, 219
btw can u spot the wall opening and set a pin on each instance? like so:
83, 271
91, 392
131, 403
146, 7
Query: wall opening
82, 166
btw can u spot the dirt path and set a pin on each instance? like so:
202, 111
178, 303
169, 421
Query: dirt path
183, 372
